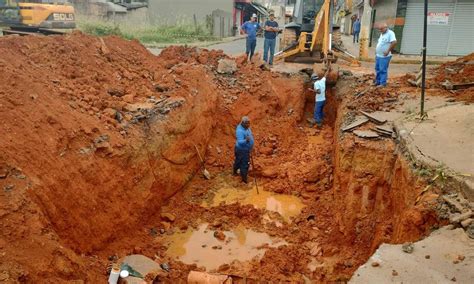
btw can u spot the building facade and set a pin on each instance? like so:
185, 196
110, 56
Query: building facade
450, 24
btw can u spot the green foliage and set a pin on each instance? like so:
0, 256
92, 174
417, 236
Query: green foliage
149, 34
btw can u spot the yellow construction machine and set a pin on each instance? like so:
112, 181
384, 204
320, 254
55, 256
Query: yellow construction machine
309, 36
36, 16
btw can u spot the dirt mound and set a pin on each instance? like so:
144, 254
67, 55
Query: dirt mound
97, 133
458, 71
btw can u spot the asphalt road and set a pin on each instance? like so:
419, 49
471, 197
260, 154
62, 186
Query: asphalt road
231, 48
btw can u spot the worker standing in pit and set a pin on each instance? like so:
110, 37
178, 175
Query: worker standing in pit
383, 54
250, 29
356, 30
271, 31
243, 147
319, 88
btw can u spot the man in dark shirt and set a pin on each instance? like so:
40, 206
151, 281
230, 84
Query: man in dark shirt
271, 31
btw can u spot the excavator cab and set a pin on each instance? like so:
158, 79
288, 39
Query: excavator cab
31, 16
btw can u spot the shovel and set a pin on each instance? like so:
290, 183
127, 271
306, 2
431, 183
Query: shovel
206, 174
254, 174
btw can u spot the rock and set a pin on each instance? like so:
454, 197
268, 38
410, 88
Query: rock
270, 173
8, 187
266, 151
116, 92
128, 98
427, 256
165, 267
109, 112
394, 273
168, 217
166, 225
408, 247
315, 250
226, 66
375, 264
219, 235
160, 88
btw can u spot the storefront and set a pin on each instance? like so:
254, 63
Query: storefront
450, 27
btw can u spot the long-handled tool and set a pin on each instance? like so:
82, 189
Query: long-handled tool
206, 174
254, 173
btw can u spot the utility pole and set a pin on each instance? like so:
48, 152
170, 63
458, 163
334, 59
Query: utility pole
366, 24
423, 74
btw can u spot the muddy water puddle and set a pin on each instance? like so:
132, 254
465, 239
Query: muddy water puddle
286, 205
202, 248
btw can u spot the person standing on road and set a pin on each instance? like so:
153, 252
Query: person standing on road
383, 54
243, 147
271, 31
250, 29
319, 88
356, 30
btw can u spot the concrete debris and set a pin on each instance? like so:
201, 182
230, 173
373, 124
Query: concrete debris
219, 235
369, 134
226, 66
408, 247
457, 218
466, 223
453, 203
447, 85
374, 118
358, 122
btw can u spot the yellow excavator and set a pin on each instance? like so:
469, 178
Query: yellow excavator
309, 36
36, 16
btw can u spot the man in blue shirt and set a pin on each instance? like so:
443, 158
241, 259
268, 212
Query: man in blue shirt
250, 28
319, 88
271, 31
243, 146
383, 54
356, 30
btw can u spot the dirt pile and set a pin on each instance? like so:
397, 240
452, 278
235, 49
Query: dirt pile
97, 133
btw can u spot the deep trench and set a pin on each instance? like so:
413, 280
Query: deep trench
369, 198
364, 196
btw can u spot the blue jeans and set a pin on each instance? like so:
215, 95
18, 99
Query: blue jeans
242, 158
356, 37
250, 46
381, 70
318, 112
269, 46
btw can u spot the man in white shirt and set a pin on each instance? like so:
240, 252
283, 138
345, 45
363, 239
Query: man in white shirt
383, 54
319, 88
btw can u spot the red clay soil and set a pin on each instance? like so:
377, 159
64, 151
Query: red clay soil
98, 139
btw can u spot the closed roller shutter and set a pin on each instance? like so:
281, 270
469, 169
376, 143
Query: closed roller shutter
438, 35
461, 41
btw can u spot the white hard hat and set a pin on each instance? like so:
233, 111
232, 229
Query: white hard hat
254, 15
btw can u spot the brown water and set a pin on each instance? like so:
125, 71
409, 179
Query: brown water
286, 205
202, 248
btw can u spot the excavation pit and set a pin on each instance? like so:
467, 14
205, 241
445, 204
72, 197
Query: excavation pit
89, 176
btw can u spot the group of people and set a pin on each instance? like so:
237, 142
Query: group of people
271, 31
244, 137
